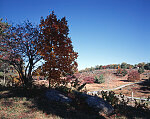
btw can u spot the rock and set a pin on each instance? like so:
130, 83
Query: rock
94, 102
97, 103
54, 95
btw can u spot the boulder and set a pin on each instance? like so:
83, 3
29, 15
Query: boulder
97, 103
94, 102
54, 95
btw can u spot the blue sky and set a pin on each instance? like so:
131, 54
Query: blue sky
103, 31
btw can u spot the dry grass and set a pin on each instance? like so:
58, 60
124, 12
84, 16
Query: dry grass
21, 104
17, 108
111, 81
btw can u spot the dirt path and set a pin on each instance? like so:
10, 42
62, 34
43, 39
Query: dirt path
113, 89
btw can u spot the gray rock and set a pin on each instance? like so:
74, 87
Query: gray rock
54, 95
98, 104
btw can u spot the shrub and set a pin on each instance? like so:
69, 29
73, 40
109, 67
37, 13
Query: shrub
110, 97
76, 85
120, 102
118, 72
121, 72
124, 65
133, 76
88, 80
147, 66
100, 79
141, 70
124, 72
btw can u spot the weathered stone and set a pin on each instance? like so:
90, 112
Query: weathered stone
94, 102
97, 103
54, 95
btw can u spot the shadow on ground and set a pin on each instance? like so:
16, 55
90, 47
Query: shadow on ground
145, 86
67, 111
134, 113
40, 102
124, 80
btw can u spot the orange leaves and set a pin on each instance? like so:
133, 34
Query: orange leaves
56, 47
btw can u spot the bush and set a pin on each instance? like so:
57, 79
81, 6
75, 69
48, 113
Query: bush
76, 85
124, 72
133, 76
100, 79
147, 66
110, 97
118, 72
88, 80
124, 65
141, 70
121, 72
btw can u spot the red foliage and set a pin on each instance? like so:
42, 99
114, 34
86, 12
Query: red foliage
55, 46
104, 67
89, 80
77, 75
72, 77
133, 76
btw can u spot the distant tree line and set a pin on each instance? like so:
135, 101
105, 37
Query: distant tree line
141, 66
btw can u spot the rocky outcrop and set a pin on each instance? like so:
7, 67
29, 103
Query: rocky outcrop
94, 102
54, 95
97, 103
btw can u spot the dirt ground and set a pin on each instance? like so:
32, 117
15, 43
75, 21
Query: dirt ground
139, 90
112, 81
109, 84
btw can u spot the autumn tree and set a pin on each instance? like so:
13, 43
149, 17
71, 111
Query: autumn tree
56, 48
19, 49
3, 65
